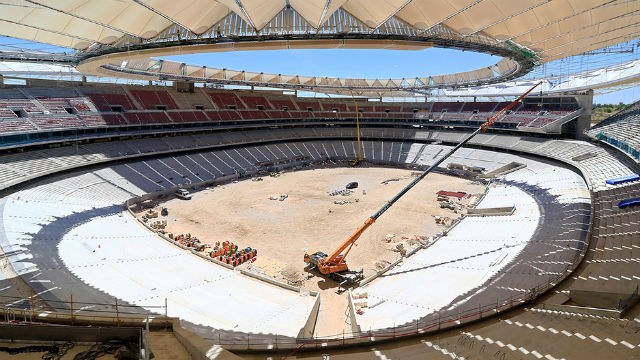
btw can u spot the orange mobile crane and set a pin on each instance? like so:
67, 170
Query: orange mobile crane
335, 264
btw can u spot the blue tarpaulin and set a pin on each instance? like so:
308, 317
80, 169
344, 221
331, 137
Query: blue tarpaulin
629, 202
624, 179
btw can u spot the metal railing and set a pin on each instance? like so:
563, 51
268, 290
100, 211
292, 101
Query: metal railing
119, 313
434, 322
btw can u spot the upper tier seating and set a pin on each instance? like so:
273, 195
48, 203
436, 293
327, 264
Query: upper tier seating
26, 105
105, 101
282, 103
274, 114
223, 115
96, 106
7, 114
366, 107
93, 120
152, 99
226, 100
155, 117
187, 116
389, 108
55, 105
195, 100
66, 105
449, 106
57, 122
314, 105
479, 106
338, 106
9, 126
256, 102
252, 114
541, 121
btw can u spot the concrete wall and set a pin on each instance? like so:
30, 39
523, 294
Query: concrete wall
310, 326
504, 170
498, 211
198, 348
171, 191
582, 310
69, 333
355, 328
584, 120
598, 299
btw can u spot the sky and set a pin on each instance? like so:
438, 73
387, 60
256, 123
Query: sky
369, 64
361, 63
626, 96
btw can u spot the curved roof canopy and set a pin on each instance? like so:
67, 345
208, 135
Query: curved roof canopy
541, 29
551, 28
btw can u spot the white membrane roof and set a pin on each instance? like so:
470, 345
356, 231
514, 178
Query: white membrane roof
551, 28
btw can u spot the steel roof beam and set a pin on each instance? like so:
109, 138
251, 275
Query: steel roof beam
324, 14
246, 14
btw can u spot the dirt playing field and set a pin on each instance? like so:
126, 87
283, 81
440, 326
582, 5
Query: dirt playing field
308, 219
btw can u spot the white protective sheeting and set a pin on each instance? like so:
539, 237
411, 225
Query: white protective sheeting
115, 254
454, 265
432, 279
132, 264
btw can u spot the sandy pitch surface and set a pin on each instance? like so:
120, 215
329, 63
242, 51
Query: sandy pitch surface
308, 220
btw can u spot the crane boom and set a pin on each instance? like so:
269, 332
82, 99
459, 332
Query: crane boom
335, 261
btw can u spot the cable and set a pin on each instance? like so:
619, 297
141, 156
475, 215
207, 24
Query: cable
120, 349
52, 352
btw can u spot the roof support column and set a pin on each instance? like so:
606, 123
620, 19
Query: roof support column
585, 100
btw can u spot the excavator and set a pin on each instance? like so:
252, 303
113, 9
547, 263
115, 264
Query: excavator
335, 264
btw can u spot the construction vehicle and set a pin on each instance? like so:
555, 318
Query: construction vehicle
183, 194
335, 264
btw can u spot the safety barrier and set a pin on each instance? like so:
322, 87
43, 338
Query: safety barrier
34, 310
620, 144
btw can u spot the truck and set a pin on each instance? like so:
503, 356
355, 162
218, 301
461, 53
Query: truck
183, 194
